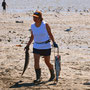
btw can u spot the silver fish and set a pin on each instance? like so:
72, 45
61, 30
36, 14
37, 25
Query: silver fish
26, 60
57, 66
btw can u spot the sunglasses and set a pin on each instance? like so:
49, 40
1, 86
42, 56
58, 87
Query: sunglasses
35, 17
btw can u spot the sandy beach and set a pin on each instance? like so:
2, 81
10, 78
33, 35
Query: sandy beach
74, 47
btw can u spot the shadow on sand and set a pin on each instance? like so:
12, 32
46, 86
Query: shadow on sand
20, 84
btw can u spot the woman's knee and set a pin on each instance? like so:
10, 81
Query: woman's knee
47, 61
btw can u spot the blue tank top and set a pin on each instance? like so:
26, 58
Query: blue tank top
40, 35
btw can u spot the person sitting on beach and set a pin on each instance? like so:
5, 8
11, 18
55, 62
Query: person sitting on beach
41, 34
4, 5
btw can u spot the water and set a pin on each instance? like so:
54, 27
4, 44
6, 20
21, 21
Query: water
45, 5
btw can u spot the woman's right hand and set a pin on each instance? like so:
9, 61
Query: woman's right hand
26, 48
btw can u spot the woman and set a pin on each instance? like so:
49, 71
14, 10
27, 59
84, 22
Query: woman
41, 33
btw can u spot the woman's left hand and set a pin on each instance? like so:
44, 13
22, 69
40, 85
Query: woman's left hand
55, 44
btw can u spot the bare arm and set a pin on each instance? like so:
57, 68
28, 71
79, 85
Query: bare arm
31, 39
51, 36
49, 32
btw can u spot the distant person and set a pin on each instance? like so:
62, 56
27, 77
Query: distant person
4, 5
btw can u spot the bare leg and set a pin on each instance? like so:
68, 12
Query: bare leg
47, 61
50, 66
36, 61
37, 68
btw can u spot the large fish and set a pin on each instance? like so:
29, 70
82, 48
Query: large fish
57, 66
26, 60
